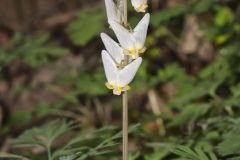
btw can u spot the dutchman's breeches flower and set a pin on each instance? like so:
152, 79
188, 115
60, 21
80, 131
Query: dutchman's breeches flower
121, 59
132, 42
140, 5
118, 79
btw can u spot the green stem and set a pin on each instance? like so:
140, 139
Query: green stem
125, 97
125, 14
125, 126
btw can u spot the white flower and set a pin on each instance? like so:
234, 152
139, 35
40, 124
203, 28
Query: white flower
113, 48
113, 11
140, 5
118, 79
132, 42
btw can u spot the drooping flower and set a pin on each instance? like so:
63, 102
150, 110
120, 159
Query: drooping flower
118, 79
113, 11
132, 41
140, 5
113, 48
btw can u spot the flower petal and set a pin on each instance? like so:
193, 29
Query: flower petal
140, 31
113, 48
110, 67
127, 74
124, 37
113, 13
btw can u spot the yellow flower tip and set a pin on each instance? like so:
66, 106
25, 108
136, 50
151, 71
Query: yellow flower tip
132, 52
135, 52
117, 90
142, 8
127, 87
109, 85
142, 50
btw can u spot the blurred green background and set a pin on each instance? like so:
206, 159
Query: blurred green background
184, 103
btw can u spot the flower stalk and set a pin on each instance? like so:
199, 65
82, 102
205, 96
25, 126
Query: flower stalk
121, 60
125, 14
125, 126
125, 97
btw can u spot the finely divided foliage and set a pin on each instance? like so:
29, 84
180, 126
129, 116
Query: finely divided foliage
118, 74
199, 99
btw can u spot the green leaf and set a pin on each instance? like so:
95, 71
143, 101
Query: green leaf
167, 14
179, 10
161, 150
230, 144
87, 25
32, 50
93, 144
44, 135
57, 52
197, 154
85, 83
202, 6
190, 114
224, 16
12, 156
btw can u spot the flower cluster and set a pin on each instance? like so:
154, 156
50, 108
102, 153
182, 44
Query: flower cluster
131, 43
